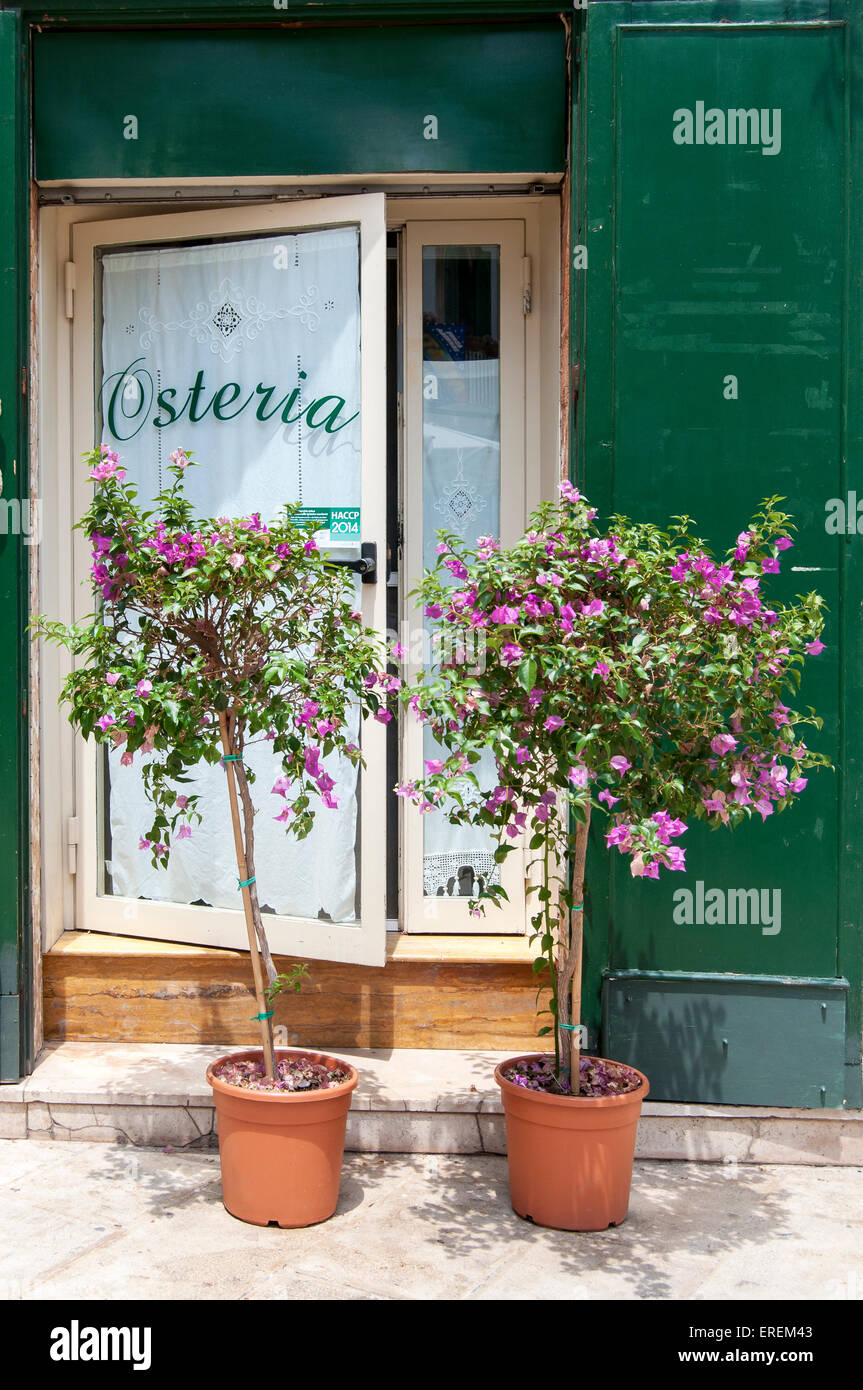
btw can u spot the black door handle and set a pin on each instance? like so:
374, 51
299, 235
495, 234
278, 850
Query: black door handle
367, 565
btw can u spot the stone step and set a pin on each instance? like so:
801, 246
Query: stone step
407, 1101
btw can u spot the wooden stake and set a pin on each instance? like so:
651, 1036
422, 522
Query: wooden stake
266, 1031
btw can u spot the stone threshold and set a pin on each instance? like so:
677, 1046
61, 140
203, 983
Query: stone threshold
407, 1101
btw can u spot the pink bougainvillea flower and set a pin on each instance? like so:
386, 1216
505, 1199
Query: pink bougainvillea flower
511, 652
456, 567
236, 560
441, 548
182, 802
433, 610
553, 723
383, 716
567, 617
144, 689
618, 835
433, 766
578, 775
620, 764
814, 648
770, 566
722, 744
281, 786
522, 755
143, 843
105, 722
112, 678
607, 797
784, 543
184, 833
127, 759
601, 670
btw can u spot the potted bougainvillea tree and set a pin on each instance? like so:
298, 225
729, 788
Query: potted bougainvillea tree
627, 673
209, 636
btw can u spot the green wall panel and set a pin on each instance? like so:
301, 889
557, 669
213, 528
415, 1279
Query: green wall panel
727, 262
731, 1041
707, 261
300, 101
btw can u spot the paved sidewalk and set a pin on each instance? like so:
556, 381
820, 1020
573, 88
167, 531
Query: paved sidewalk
102, 1221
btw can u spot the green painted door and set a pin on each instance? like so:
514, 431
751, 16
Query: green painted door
714, 322
14, 824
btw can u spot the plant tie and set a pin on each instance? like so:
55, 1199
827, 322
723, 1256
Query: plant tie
231, 758
261, 1017
244, 882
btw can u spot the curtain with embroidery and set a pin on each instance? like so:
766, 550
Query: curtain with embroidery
248, 353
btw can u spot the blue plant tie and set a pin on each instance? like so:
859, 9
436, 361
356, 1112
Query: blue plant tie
256, 1017
570, 1027
244, 883
231, 758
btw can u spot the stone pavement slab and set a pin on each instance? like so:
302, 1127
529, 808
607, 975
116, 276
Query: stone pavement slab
93, 1221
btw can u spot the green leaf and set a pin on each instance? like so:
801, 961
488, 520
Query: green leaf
527, 674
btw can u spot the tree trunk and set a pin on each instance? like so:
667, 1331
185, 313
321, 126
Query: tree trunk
228, 731
249, 835
569, 965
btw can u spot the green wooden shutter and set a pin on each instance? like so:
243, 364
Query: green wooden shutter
14, 1003
708, 262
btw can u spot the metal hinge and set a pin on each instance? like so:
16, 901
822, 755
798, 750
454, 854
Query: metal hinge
72, 844
69, 288
526, 284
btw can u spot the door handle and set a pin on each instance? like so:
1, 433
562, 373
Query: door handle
366, 566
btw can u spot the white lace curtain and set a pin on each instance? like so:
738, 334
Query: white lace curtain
279, 312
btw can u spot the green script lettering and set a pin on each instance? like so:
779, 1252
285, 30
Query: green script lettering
128, 410
329, 423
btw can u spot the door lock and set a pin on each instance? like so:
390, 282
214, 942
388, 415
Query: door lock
366, 566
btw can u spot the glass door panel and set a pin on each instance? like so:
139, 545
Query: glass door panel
465, 376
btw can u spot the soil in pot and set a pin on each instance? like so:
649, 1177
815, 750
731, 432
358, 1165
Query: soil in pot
281, 1147
570, 1157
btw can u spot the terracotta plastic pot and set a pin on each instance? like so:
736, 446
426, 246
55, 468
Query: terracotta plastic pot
281, 1152
570, 1158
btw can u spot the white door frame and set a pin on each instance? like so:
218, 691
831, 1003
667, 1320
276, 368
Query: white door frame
362, 942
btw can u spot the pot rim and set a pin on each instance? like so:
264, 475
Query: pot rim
283, 1097
508, 1088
